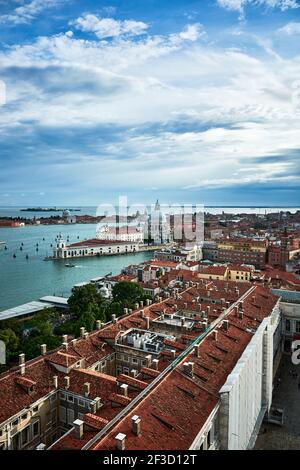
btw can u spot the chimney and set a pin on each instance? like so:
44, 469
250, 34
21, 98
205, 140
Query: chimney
155, 364
147, 323
149, 360
215, 335
124, 390
120, 441
67, 382
125, 311
73, 342
55, 381
82, 330
78, 425
142, 313
98, 324
43, 349
98, 402
175, 307
241, 314
86, 387
173, 351
93, 406
134, 373
22, 369
41, 446
208, 309
147, 302
197, 350
64, 339
189, 368
226, 325
136, 425
86, 335
185, 305
141, 304
204, 324
65, 346
130, 311
136, 306
21, 358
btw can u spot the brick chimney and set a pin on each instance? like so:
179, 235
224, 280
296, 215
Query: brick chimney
124, 390
65, 346
55, 381
98, 324
141, 304
86, 335
43, 349
21, 358
22, 369
67, 382
155, 363
82, 330
125, 311
64, 339
188, 368
136, 425
78, 425
86, 387
121, 441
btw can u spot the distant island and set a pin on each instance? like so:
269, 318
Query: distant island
47, 209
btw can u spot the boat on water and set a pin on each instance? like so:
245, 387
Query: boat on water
69, 265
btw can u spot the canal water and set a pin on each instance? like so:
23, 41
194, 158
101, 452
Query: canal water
23, 280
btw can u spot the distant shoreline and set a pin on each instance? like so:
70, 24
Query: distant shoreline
48, 209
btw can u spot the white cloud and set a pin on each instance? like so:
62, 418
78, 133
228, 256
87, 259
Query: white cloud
236, 108
192, 32
291, 28
109, 27
29, 11
240, 5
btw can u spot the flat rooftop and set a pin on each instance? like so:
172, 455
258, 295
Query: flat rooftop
33, 307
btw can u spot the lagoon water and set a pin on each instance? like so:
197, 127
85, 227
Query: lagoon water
23, 280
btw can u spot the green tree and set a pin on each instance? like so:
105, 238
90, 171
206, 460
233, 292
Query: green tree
32, 346
87, 306
127, 293
9, 337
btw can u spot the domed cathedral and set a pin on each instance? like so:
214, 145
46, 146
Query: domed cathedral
159, 231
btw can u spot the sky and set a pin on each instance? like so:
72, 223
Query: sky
187, 101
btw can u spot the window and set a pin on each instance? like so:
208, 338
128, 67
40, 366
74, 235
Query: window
134, 361
288, 325
70, 398
126, 358
35, 429
297, 326
54, 416
25, 436
23, 417
62, 414
62, 396
81, 402
70, 416
35, 409
53, 398
15, 422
